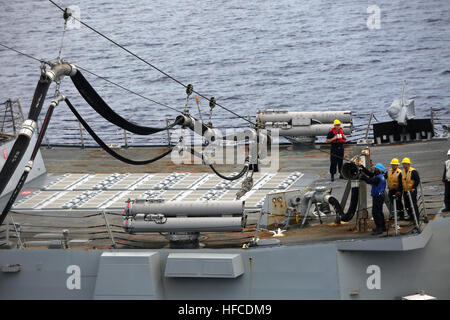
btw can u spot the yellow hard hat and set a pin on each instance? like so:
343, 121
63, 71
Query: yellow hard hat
336, 122
406, 160
395, 161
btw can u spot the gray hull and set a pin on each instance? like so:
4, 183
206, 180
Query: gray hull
382, 268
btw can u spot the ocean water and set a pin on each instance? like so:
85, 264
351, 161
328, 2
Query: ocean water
251, 55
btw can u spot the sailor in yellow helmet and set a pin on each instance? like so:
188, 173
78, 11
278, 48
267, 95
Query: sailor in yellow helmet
337, 139
410, 179
395, 186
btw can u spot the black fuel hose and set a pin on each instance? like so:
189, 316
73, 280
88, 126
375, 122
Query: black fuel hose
101, 107
23, 140
27, 170
106, 148
346, 216
229, 178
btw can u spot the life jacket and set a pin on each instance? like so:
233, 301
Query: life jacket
392, 179
335, 132
408, 183
379, 188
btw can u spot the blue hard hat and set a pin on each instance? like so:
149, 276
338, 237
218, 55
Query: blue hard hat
380, 167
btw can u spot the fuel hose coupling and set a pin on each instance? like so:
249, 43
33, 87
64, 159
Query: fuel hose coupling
28, 128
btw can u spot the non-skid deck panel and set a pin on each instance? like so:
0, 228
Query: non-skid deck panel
66, 181
60, 199
97, 191
91, 181
281, 181
191, 181
100, 199
182, 180
129, 181
113, 181
98, 181
161, 180
33, 200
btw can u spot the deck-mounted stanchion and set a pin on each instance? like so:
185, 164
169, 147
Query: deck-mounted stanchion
168, 132
394, 205
413, 210
81, 135
422, 202
306, 212
17, 230
366, 135
7, 232
125, 138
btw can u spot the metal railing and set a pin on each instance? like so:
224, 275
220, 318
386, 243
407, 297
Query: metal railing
75, 135
29, 229
71, 230
11, 118
71, 133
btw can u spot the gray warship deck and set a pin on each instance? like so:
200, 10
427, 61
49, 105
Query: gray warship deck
320, 261
75, 173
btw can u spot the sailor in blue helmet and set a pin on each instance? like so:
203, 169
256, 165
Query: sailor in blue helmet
378, 182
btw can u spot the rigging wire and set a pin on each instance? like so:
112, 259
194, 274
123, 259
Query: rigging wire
62, 38
24, 54
129, 90
98, 76
112, 152
124, 88
149, 64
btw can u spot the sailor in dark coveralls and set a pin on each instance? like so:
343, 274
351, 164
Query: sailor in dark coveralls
337, 139
378, 182
446, 181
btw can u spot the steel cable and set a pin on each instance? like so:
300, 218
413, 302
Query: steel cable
149, 64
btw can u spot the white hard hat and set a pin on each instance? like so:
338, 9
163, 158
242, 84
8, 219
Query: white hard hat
448, 152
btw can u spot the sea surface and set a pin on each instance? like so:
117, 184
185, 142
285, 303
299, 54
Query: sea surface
250, 55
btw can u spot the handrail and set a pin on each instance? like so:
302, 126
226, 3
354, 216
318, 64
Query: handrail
28, 226
73, 136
